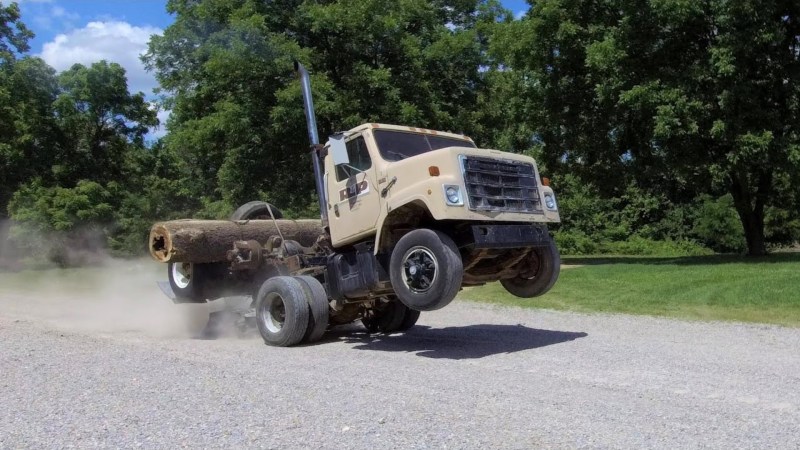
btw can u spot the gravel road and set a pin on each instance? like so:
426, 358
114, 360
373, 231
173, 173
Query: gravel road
109, 365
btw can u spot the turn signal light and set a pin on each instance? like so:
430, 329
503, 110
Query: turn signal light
546, 181
434, 171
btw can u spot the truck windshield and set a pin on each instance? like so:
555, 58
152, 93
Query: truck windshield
397, 145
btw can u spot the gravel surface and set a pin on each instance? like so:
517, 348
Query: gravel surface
111, 366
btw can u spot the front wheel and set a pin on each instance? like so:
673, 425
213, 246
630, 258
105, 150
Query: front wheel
539, 275
426, 270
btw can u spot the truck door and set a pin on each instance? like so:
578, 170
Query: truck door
353, 197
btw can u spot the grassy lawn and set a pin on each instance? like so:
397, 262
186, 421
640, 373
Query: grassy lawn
765, 290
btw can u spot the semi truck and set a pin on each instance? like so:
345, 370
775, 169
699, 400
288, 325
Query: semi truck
408, 217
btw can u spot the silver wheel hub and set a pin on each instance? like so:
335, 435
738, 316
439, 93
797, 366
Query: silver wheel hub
182, 274
420, 269
275, 315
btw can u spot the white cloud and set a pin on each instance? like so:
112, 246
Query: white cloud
113, 41
520, 14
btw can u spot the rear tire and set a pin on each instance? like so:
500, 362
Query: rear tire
545, 265
426, 270
188, 281
409, 319
391, 318
318, 308
256, 210
282, 311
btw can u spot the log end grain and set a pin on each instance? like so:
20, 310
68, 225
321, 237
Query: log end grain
160, 243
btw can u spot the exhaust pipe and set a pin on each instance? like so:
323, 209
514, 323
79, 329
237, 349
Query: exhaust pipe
311, 121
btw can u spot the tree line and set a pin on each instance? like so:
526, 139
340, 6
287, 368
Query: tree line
664, 125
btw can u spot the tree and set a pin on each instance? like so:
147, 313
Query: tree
14, 35
75, 191
237, 118
100, 124
27, 90
685, 97
223, 67
28, 132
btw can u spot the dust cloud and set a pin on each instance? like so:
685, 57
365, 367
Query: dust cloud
116, 296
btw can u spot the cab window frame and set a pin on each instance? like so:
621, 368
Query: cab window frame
357, 151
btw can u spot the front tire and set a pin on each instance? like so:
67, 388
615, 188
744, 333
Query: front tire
426, 270
282, 311
541, 274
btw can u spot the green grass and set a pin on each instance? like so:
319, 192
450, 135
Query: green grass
764, 290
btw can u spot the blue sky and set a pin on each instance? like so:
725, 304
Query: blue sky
85, 31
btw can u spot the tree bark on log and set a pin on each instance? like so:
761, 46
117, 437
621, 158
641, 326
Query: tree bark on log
207, 241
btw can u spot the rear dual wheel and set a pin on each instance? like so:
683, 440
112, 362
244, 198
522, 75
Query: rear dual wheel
290, 310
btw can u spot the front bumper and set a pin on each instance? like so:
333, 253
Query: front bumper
509, 236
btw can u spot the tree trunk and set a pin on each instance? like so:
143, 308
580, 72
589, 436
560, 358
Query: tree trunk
753, 225
205, 241
750, 207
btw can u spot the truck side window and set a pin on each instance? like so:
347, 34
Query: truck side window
359, 158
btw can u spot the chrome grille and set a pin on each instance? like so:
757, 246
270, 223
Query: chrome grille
500, 185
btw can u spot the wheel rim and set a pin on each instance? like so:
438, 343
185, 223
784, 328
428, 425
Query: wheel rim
420, 269
182, 274
532, 272
273, 313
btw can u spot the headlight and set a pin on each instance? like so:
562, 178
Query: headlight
452, 195
550, 202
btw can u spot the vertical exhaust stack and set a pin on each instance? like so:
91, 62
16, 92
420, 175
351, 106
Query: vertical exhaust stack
311, 121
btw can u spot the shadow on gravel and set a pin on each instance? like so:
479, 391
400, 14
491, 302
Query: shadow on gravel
469, 342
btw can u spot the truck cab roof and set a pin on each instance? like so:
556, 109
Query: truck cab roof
407, 129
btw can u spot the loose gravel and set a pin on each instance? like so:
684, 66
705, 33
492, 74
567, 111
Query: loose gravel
83, 371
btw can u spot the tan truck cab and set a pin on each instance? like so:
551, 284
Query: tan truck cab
383, 182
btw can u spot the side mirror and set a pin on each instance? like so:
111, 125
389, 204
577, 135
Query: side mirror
338, 149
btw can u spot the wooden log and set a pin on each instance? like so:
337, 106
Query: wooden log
206, 241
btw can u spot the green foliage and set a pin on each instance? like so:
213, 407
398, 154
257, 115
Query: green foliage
640, 246
73, 166
100, 123
14, 35
680, 97
237, 110
640, 223
717, 225
65, 224
28, 131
